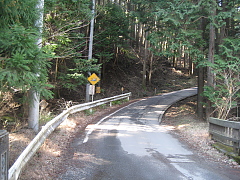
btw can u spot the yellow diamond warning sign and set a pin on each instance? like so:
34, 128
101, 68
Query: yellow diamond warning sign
93, 79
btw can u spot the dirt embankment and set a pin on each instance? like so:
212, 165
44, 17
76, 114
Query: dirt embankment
194, 131
48, 162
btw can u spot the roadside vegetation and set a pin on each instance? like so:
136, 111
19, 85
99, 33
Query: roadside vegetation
139, 46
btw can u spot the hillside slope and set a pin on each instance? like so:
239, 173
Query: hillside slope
127, 75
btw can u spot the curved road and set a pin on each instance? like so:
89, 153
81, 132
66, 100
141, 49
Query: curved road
131, 145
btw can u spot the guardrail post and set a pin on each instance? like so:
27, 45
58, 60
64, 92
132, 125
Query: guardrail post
4, 146
235, 147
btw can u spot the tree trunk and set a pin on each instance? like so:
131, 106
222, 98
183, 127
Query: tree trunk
145, 61
222, 31
201, 70
190, 71
200, 91
150, 70
211, 52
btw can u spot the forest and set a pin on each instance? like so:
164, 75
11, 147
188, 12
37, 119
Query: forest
45, 50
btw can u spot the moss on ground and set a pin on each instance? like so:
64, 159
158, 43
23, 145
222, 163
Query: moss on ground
229, 151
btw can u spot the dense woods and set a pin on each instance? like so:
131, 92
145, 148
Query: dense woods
199, 36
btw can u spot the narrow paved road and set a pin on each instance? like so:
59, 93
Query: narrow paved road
131, 145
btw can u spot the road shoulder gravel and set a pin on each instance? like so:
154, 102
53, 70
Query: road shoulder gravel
194, 131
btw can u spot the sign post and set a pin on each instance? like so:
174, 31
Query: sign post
93, 79
92, 90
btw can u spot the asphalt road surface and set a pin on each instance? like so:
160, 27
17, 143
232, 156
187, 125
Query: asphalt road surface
131, 145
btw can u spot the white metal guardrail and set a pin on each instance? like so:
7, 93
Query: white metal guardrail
36, 143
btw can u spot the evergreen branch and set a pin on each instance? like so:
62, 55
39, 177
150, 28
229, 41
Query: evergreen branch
200, 18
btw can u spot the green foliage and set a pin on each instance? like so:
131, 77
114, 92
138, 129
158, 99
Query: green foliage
182, 27
104, 55
70, 10
113, 26
173, 26
89, 112
65, 23
128, 53
174, 23
225, 93
20, 12
45, 118
103, 106
72, 78
23, 64
118, 102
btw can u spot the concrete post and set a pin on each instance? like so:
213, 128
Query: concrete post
4, 149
